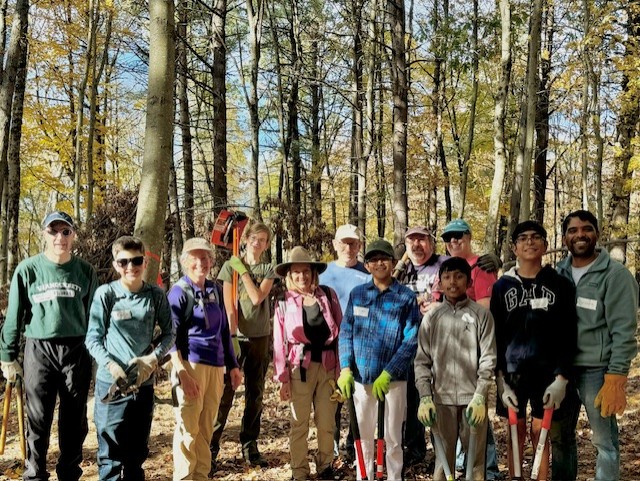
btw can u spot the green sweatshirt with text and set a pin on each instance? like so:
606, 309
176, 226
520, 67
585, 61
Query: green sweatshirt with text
48, 301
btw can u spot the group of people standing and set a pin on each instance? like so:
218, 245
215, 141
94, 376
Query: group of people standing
427, 336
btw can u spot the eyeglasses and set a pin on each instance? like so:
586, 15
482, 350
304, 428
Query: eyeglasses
378, 259
64, 232
523, 238
135, 261
453, 235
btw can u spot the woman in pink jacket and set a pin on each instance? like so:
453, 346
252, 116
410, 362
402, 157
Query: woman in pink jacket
305, 338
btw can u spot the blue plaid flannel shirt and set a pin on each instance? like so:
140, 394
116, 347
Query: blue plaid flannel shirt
379, 332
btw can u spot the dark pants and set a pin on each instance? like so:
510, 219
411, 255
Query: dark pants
123, 428
254, 360
52, 368
414, 434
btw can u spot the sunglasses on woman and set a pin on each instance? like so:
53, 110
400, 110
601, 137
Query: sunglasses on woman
135, 261
453, 235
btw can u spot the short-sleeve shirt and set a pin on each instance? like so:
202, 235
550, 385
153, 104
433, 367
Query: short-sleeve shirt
483, 281
253, 321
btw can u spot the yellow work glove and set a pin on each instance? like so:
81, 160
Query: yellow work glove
427, 411
346, 382
381, 385
476, 410
611, 398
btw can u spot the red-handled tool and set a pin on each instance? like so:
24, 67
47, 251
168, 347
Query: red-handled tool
515, 445
355, 429
380, 442
537, 459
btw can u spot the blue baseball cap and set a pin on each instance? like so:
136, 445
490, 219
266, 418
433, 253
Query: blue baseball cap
57, 216
457, 225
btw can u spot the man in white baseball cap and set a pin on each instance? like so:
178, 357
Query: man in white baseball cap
342, 275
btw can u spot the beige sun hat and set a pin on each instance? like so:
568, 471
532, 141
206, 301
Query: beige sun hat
299, 255
196, 243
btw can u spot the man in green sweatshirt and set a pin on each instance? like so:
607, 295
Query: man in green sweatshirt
49, 298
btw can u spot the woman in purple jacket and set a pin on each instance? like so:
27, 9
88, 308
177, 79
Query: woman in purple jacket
203, 349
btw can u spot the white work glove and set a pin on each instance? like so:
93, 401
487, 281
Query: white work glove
146, 365
116, 371
506, 394
11, 370
554, 394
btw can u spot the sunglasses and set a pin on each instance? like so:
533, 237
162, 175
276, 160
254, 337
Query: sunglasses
64, 232
453, 235
135, 261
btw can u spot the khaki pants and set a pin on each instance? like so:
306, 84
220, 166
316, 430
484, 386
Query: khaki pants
194, 424
451, 423
315, 391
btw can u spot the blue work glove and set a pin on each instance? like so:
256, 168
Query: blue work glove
381, 385
346, 382
237, 265
476, 410
427, 411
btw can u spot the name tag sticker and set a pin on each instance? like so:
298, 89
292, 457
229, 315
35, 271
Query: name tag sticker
585, 303
121, 315
361, 311
542, 303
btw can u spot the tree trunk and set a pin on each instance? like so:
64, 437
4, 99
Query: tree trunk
15, 135
185, 124
92, 14
627, 129
395, 10
499, 138
255, 14
542, 119
356, 203
96, 75
12, 79
315, 181
464, 170
219, 105
158, 146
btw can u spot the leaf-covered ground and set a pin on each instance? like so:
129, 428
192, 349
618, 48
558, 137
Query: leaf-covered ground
274, 443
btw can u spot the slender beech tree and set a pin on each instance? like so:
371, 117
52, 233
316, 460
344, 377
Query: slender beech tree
627, 130
158, 145
499, 135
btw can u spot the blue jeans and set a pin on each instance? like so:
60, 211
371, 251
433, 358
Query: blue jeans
564, 449
123, 428
605, 432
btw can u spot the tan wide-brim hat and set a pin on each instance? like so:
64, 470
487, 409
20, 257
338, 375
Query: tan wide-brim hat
299, 255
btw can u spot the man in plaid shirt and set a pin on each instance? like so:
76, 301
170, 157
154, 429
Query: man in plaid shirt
377, 344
